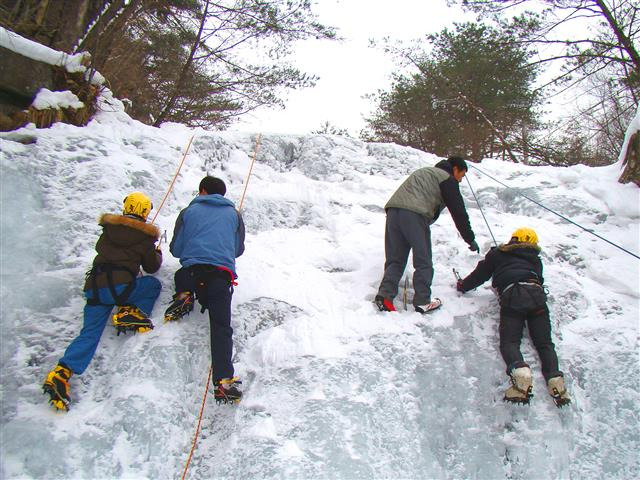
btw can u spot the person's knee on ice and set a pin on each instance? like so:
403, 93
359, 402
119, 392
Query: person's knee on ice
516, 271
208, 237
126, 245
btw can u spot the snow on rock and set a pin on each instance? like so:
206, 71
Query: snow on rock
47, 99
28, 48
634, 126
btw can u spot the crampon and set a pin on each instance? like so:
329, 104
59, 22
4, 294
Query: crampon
227, 392
182, 305
521, 386
56, 385
131, 319
519, 397
558, 391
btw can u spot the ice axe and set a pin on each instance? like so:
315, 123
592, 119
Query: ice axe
455, 272
458, 278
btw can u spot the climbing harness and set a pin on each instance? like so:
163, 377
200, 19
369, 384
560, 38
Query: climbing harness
559, 215
108, 269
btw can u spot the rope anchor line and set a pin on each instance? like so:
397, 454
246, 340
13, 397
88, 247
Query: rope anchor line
481, 211
173, 180
591, 231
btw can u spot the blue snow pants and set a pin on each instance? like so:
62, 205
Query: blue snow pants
80, 351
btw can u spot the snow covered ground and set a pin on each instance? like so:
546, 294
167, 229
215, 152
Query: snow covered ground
333, 389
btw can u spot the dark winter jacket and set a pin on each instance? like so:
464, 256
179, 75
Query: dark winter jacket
427, 191
125, 242
507, 264
210, 231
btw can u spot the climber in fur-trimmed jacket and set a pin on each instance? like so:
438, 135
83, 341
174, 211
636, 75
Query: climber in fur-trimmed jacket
127, 243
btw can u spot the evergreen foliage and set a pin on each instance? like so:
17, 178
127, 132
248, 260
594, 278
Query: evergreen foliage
595, 43
472, 92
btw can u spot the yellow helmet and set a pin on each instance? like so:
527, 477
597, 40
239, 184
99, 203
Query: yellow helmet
137, 204
525, 235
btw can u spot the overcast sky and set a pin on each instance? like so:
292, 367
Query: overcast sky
350, 69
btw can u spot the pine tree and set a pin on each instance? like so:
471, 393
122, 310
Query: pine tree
472, 93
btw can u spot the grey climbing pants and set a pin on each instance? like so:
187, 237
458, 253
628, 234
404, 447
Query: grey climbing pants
407, 231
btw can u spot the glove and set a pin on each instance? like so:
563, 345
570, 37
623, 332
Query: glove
473, 246
459, 286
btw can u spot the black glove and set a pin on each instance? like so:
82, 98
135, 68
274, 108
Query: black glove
459, 286
473, 246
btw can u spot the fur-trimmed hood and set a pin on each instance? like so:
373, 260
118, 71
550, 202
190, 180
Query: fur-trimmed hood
146, 228
125, 242
510, 247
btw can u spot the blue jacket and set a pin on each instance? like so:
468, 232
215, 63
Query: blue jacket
208, 232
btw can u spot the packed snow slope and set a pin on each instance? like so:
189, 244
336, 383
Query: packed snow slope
333, 388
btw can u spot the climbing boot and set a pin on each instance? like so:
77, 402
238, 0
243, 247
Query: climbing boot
226, 390
384, 304
57, 386
522, 385
435, 304
558, 391
182, 305
129, 318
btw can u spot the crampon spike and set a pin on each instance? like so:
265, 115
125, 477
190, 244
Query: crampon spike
55, 399
561, 402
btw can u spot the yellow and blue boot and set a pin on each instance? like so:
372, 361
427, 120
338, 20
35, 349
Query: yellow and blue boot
129, 318
57, 386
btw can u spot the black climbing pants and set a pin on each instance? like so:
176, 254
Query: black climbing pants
526, 303
214, 290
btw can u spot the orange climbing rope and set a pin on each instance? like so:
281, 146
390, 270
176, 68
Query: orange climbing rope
173, 181
195, 438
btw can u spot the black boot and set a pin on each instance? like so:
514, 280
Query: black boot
182, 305
227, 391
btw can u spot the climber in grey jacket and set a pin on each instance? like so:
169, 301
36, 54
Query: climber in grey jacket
410, 211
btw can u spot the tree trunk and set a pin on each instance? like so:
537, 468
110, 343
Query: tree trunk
631, 161
88, 42
624, 40
111, 24
183, 73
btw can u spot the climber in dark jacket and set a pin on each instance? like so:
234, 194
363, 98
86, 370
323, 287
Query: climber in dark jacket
410, 211
516, 270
